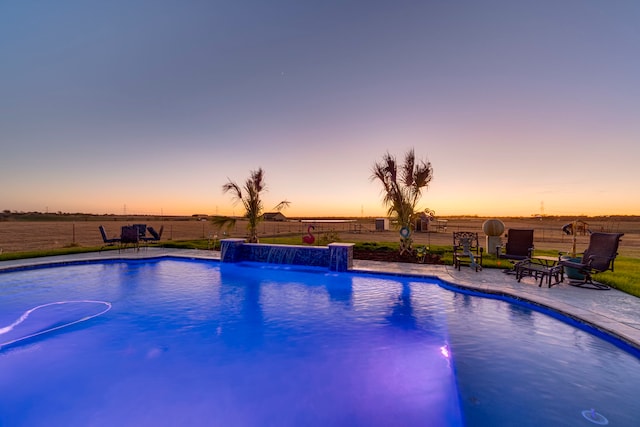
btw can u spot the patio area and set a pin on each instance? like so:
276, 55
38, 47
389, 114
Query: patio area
611, 311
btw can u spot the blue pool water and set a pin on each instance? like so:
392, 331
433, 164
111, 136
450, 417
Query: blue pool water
195, 343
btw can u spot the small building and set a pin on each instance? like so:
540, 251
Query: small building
382, 224
273, 216
422, 223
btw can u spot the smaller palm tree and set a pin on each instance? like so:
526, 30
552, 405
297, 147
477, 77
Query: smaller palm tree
402, 190
251, 200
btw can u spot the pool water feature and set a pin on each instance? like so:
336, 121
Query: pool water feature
204, 343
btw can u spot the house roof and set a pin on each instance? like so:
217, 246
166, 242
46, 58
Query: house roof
273, 215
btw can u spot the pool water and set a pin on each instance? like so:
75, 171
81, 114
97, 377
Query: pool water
198, 343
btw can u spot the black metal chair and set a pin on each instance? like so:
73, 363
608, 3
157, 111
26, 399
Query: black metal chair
142, 230
155, 235
130, 235
597, 258
106, 240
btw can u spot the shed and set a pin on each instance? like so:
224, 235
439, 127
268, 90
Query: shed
382, 224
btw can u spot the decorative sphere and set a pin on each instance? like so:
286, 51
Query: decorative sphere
493, 227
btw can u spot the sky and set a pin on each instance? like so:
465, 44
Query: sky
150, 106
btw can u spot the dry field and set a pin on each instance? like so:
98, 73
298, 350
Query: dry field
18, 236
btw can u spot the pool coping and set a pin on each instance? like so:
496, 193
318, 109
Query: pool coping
612, 312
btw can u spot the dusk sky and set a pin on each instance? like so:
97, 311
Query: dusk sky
150, 106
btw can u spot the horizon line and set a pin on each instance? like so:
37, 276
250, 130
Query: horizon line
201, 215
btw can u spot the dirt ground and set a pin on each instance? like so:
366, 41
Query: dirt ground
18, 236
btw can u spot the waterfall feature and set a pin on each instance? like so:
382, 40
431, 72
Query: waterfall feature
335, 256
282, 254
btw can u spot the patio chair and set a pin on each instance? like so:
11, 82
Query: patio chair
518, 247
130, 235
597, 258
155, 235
106, 240
142, 230
466, 250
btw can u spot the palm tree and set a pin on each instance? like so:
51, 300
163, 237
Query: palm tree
251, 201
402, 190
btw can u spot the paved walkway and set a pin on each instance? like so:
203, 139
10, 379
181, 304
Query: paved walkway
611, 311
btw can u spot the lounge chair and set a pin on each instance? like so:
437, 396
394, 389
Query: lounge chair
519, 246
107, 241
598, 257
466, 250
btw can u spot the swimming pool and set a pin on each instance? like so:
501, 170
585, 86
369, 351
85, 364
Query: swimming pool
176, 342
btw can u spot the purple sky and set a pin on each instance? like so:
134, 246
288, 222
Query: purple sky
522, 107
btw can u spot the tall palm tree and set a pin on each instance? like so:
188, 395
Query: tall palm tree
250, 199
402, 190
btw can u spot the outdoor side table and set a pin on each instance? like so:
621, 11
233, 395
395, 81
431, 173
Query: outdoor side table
540, 268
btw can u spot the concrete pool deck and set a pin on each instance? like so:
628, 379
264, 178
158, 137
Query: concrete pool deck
611, 311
